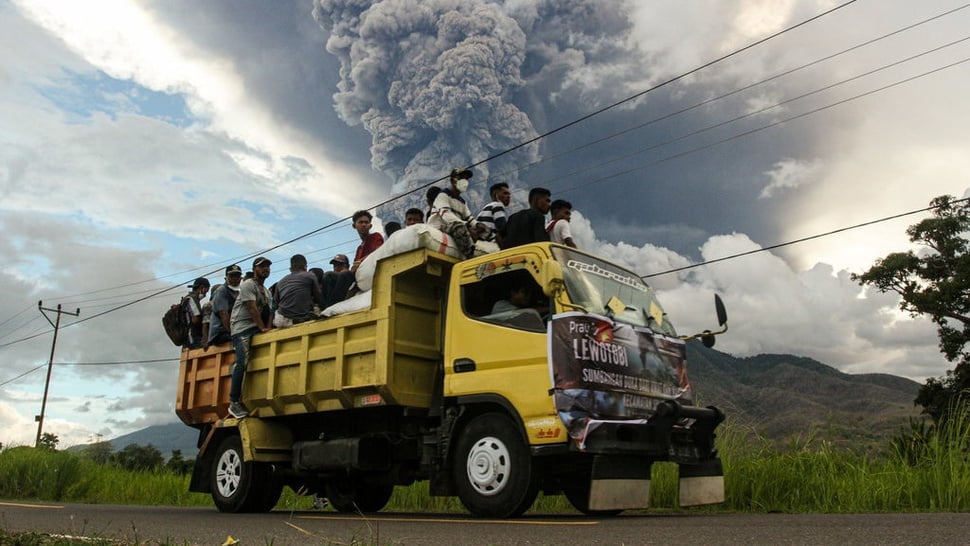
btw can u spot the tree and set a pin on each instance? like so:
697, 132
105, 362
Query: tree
48, 440
178, 464
136, 457
936, 283
99, 452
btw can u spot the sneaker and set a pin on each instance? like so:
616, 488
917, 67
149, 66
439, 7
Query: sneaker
238, 410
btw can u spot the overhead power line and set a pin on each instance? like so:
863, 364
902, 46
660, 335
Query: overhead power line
796, 241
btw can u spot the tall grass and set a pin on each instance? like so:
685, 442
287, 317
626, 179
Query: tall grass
806, 475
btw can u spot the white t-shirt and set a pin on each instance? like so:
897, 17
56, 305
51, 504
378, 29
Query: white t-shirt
559, 232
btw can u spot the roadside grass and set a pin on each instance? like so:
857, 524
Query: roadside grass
807, 475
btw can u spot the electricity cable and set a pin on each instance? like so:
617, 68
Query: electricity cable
802, 240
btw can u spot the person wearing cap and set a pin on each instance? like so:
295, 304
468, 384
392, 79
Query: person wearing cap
296, 294
493, 215
250, 316
340, 263
193, 312
529, 225
222, 300
451, 215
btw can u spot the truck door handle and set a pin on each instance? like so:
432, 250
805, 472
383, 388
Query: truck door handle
462, 365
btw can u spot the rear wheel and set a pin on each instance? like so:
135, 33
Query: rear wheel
355, 495
241, 486
493, 468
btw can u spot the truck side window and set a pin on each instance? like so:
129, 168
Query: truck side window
512, 299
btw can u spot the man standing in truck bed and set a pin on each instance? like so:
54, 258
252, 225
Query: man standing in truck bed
250, 316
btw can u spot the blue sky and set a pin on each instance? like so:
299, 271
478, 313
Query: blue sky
147, 143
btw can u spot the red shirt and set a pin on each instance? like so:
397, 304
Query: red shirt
370, 244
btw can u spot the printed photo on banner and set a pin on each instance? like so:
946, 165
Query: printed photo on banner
601, 369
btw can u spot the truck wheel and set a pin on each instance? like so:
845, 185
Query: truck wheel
352, 496
240, 486
493, 468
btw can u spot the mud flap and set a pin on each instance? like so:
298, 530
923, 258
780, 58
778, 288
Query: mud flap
619, 483
702, 483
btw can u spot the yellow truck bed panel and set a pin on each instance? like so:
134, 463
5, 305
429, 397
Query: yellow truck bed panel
387, 354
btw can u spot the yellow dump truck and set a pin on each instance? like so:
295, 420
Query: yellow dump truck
537, 368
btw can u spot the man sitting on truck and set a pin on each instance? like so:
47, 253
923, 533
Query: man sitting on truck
338, 285
451, 215
529, 225
250, 316
296, 294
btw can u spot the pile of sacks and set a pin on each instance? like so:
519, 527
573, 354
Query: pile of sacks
403, 240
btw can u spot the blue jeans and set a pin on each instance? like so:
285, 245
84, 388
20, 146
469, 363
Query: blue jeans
241, 344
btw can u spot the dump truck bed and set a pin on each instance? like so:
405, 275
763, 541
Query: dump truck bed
387, 354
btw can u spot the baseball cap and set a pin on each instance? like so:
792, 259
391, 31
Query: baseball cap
461, 173
201, 281
233, 270
260, 261
340, 259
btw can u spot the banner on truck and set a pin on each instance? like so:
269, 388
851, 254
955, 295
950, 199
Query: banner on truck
601, 369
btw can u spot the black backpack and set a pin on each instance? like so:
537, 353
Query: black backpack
175, 323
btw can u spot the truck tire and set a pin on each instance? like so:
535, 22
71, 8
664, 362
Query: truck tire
354, 495
493, 468
240, 486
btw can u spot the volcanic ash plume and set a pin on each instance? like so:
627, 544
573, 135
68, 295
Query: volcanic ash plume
431, 81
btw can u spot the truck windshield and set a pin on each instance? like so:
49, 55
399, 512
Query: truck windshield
605, 288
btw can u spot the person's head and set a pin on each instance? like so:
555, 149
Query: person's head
340, 263
459, 179
413, 216
248, 275
318, 273
500, 192
362, 220
540, 199
561, 209
233, 275
391, 227
200, 286
298, 262
520, 295
431, 195
261, 269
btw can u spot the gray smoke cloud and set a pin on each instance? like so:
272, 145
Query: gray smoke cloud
446, 83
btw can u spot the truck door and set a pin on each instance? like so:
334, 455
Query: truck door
496, 341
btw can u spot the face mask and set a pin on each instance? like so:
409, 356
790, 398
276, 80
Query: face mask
462, 185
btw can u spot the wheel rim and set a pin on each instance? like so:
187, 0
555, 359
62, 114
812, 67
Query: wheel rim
227, 473
488, 466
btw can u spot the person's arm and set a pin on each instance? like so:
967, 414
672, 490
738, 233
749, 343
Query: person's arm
257, 317
224, 317
565, 233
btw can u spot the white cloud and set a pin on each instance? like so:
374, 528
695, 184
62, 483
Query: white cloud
787, 174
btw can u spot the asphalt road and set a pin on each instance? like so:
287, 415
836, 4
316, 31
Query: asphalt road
206, 526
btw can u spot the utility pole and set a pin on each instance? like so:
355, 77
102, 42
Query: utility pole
50, 363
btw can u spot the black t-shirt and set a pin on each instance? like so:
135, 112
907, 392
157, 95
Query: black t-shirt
523, 227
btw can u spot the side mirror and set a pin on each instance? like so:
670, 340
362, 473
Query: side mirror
721, 311
551, 278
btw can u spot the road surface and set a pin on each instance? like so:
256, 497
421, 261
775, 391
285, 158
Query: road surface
206, 526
